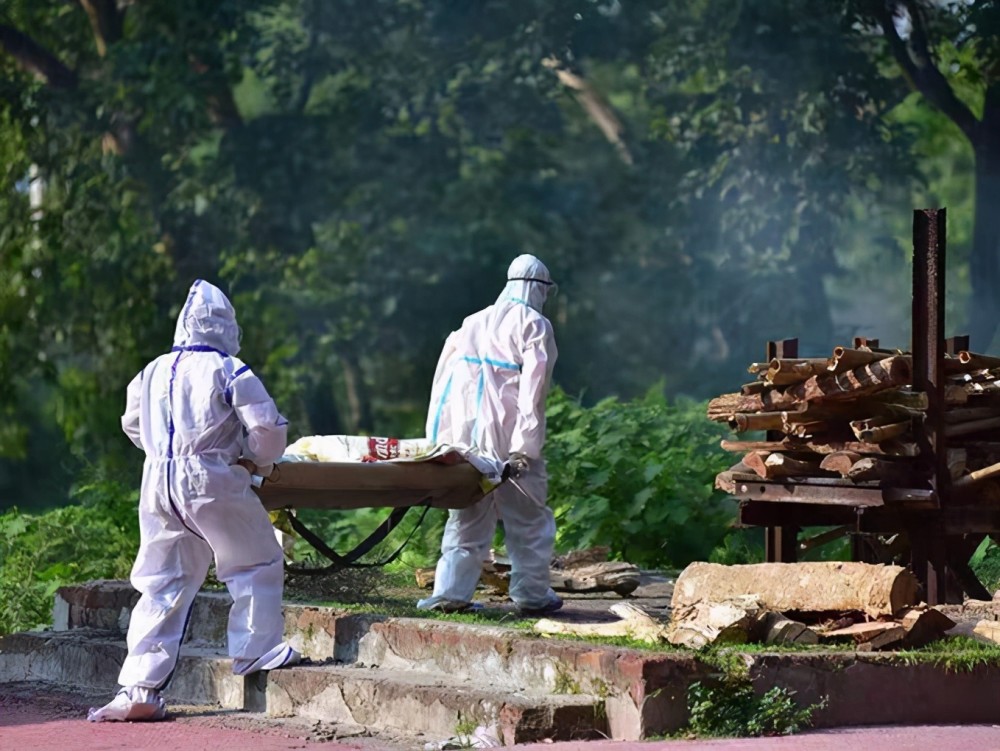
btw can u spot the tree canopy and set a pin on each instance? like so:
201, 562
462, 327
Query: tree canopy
700, 177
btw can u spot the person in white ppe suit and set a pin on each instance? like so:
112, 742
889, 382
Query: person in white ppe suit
205, 421
488, 398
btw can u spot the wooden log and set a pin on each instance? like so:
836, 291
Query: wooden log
870, 468
782, 465
967, 414
702, 623
805, 429
844, 359
787, 371
758, 367
635, 624
889, 448
979, 362
756, 421
802, 587
861, 632
725, 481
876, 433
969, 480
608, 576
840, 462
973, 426
775, 628
869, 379
754, 387
889, 639
924, 625
873, 377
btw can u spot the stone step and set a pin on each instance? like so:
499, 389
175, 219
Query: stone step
90, 659
643, 692
380, 700
429, 704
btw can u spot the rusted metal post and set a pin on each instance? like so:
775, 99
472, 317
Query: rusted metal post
781, 543
929, 551
928, 337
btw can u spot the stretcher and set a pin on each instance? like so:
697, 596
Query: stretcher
340, 473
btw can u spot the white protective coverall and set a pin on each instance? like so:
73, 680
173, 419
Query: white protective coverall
195, 411
488, 398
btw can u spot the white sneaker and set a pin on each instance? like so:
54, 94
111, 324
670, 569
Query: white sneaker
133, 704
281, 656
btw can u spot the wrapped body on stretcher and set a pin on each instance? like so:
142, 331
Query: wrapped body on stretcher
347, 472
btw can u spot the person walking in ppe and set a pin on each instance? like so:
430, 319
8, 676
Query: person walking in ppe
205, 422
488, 398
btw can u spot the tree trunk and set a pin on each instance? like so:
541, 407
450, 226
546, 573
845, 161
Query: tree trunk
802, 587
358, 398
984, 261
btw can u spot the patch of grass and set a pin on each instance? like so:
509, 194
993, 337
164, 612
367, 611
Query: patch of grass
732, 709
958, 654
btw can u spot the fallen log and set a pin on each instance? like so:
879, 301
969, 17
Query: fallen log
702, 623
877, 430
608, 576
978, 362
775, 628
743, 422
782, 372
804, 587
775, 466
862, 632
635, 624
725, 481
924, 625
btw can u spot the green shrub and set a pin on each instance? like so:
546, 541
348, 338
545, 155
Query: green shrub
732, 709
637, 476
94, 538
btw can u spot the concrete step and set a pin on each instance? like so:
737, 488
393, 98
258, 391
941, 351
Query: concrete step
429, 704
381, 700
643, 692
90, 659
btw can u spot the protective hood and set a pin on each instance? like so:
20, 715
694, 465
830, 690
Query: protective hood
207, 319
528, 281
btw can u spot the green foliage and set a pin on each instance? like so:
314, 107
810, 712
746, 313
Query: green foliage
637, 476
733, 709
95, 538
986, 563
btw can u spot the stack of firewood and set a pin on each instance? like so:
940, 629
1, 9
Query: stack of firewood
855, 416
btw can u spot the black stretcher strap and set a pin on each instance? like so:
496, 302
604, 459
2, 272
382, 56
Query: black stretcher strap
349, 560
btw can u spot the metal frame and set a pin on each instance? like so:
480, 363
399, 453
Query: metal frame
942, 535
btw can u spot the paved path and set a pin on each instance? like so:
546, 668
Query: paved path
53, 723
32, 721
914, 738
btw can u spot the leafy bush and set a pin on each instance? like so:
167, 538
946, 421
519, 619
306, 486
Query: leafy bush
732, 709
637, 476
94, 538
986, 563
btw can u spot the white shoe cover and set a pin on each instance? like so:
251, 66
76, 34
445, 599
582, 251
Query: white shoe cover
281, 656
135, 704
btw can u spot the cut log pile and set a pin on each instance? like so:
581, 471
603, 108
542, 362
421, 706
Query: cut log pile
869, 607
854, 418
578, 571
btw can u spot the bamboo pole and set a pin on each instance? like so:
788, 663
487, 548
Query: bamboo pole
974, 426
